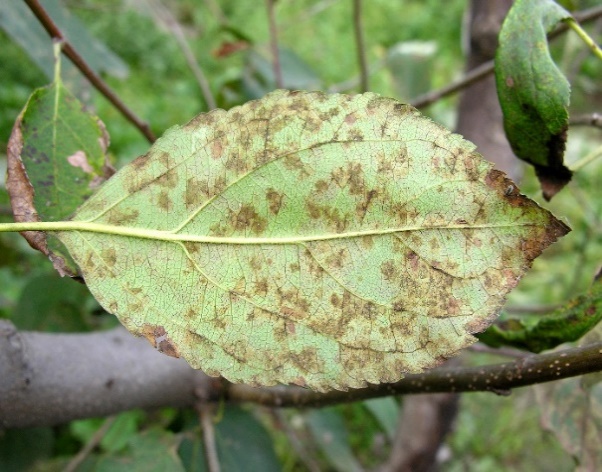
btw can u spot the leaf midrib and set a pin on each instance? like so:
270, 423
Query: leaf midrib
158, 235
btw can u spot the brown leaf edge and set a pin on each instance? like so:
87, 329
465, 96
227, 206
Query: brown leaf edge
555, 175
21, 193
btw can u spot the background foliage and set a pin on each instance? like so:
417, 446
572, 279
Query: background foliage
151, 75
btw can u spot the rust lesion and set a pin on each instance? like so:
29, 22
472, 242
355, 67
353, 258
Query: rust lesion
247, 219
274, 199
158, 337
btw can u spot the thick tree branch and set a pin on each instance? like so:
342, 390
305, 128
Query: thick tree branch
50, 379
100, 85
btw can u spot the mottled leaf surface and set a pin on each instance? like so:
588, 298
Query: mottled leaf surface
322, 240
56, 160
533, 93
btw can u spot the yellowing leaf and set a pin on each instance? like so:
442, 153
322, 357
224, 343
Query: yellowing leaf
321, 240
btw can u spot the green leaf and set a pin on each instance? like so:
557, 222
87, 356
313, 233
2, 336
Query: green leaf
243, 443
59, 307
533, 93
330, 434
385, 410
25, 29
56, 160
21, 448
322, 240
573, 414
153, 450
566, 324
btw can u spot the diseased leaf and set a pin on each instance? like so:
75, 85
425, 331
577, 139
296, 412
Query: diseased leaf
533, 93
566, 324
56, 160
322, 240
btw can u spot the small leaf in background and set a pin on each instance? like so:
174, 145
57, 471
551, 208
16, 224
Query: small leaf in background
242, 444
56, 160
330, 435
60, 306
257, 77
533, 93
20, 449
386, 412
321, 240
571, 409
151, 451
573, 413
17, 20
566, 324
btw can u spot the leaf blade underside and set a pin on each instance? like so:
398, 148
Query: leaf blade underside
307, 280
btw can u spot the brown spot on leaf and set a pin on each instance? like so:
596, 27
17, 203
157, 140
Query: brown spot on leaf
164, 159
362, 207
389, 271
237, 164
120, 217
165, 201
79, 159
141, 161
351, 176
247, 219
413, 260
109, 256
260, 287
294, 163
169, 180
338, 258
256, 263
216, 149
166, 347
290, 327
274, 199
321, 186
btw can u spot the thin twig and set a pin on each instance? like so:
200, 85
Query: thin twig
355, 81
486, 68
571, 23
497, 378
476, 74
588, 119
587, 159
172, 24
274, 45
205, 411
85, 69
90, 445
360, 45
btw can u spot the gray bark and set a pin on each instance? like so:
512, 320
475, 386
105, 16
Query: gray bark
49, 379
